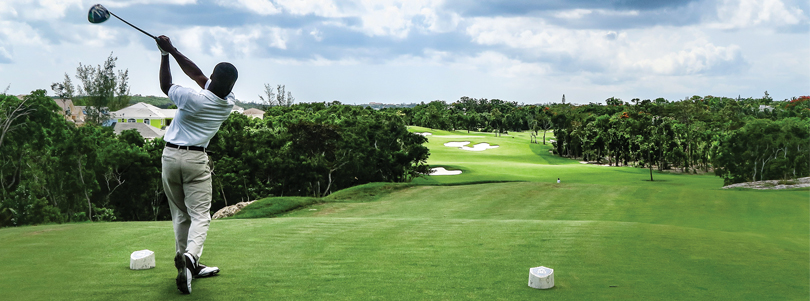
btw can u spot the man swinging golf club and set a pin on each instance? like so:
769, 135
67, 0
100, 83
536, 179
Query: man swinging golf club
186, 170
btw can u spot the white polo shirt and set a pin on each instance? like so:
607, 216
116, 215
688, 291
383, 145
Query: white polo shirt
199, 115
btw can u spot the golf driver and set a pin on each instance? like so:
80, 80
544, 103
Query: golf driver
99, 14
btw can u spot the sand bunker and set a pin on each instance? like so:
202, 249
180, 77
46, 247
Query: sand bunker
440, 171
476, 148
424, 134
479, 147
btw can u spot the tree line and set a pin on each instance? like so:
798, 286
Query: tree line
52, 171
742, 139
100, 89
312, 149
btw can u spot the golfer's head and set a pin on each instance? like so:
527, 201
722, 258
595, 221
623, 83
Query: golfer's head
224, 76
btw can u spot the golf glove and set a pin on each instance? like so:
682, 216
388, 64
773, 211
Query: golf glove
163, 52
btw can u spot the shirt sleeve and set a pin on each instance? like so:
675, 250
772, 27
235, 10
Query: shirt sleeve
179, 95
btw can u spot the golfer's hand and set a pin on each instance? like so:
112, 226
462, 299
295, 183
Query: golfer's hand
165, 45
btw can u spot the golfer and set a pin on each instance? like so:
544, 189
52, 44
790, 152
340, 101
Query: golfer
186, 170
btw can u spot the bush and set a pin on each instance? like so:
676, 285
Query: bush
275, 206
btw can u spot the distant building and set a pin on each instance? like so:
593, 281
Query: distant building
66, 106
237, 109
254, 113
71, 113
762, 108
161, 118
147, 131
145, 113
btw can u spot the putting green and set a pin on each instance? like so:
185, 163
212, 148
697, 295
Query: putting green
608, 232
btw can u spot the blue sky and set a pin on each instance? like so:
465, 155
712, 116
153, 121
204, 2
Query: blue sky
417, 50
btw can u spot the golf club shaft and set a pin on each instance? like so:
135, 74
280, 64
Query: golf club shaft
133, 26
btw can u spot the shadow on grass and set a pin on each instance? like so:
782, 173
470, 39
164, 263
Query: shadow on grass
277, 206
542, 151
470, 183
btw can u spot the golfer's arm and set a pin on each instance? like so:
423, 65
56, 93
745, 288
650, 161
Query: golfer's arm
165, 74
190, 68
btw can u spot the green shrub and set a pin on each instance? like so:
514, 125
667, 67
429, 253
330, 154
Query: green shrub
275, 206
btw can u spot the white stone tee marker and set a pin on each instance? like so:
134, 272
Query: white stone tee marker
541, 278
142, 260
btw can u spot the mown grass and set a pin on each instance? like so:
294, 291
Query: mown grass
276, 206
609, 233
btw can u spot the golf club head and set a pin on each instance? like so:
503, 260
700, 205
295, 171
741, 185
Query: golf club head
98, 14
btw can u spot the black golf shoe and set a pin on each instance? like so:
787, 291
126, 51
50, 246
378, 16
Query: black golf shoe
186, 264
204, 271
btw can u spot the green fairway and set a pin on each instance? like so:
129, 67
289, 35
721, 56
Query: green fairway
608, 232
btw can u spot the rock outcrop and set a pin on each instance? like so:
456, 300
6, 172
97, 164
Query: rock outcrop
773, 184
229, 211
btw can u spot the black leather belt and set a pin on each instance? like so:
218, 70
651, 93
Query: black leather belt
193, 148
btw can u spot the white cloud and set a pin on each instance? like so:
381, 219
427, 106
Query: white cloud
316, 34
51, 10
396, 18
378, 18
233, 42
440, 21
7, 9
260, 7
125, 3
579, 13
659, 50
537, 36
737, 14
37, 10
722, 46
703, 57
573, 13
390, 21
5, 54
318, 61
322, 8
501, 65
18, 33
489, 62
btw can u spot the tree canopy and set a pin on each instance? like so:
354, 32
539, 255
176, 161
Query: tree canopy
739, 139
53, 171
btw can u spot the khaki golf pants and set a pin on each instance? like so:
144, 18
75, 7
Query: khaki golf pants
187, 183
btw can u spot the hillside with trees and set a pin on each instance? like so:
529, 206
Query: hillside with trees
738, 139
52, 171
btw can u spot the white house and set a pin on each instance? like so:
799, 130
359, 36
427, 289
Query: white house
254, 113
146, 131
71, 112
145, 113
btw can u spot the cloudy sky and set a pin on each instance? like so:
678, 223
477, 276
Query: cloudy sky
395, 51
